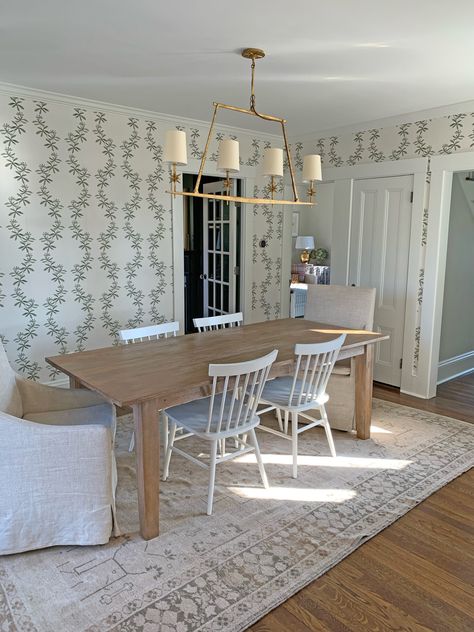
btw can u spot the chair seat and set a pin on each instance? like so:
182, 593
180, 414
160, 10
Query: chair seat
277, 393
193, 416
99, 415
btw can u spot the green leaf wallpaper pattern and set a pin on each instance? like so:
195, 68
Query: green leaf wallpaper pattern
86, 228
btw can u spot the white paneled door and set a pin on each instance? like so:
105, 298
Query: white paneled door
219, 253
379, 247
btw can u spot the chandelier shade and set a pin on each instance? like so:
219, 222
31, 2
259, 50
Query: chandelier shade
175, 150
273, 162
228, 157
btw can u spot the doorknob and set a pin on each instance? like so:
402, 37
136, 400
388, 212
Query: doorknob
203, 276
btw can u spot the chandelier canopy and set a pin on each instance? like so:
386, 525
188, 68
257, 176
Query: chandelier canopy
228, 162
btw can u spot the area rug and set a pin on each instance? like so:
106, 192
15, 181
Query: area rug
224, 572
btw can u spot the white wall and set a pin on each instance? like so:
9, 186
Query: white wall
317, 220
457, 331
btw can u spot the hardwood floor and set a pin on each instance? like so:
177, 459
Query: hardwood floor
416, 575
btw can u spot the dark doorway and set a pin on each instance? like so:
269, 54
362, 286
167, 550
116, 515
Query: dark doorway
194, 276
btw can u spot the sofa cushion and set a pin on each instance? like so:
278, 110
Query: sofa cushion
102, 414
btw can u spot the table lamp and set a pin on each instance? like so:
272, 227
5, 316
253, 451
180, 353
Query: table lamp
306, 244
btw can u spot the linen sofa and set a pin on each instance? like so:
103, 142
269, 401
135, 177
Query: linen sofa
57, 465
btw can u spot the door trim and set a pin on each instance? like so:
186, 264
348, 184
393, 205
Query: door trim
414, 380
246, 176
442, 169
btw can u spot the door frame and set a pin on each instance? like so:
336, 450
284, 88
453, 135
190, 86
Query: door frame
247, 177
414, 379
442, 169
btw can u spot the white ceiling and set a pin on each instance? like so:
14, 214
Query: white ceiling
329, 63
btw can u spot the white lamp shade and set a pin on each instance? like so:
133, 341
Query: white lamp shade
273, 162
228, 158
312, 168
305, 243
175, 147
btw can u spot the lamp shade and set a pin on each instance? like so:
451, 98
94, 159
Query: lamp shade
273, 162
228, 158
305, 242
175, 147
312, 168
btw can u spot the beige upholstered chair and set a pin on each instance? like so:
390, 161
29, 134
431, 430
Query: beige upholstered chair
57, 465
345, 306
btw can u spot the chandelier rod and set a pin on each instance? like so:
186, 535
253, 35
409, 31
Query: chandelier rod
249, 54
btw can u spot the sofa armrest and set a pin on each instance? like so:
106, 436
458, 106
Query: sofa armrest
38, 398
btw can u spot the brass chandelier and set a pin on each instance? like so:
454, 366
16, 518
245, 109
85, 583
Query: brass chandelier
228, 160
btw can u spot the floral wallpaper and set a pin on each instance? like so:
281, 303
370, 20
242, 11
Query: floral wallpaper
444, 135
86, 228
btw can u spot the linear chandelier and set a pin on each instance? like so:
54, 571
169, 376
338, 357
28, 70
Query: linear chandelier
228, 161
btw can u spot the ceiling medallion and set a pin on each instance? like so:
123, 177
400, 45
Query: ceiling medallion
228, 160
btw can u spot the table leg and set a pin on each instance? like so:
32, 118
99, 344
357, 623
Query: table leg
147, 449
364, 369
74, 382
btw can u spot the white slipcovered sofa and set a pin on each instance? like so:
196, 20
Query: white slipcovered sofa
57, 465
345, 306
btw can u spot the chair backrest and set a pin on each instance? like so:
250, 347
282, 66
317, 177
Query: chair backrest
242, 388
10, 398
341, 305
314, 364
218, 322
153, 332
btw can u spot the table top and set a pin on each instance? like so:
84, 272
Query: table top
175, 370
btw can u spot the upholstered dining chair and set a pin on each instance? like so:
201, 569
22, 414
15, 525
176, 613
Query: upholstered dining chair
218, 322
223, 415
57, 465
143, 334
346, 306
300, 394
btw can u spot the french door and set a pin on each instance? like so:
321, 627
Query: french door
379, 247
219, 253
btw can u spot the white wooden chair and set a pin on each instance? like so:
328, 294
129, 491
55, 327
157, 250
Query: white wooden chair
218, 322
223, 415
304, 391
142, 334
152, 332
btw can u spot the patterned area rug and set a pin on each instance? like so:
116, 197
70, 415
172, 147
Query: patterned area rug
226, 571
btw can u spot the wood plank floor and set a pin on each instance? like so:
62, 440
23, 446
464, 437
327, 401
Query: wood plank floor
416, 575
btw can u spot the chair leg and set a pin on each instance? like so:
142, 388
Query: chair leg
280, 423
258, 456
169, 449
222, 442
287, 415
212, 477
294, 442
327, 429
132, 442
165, 430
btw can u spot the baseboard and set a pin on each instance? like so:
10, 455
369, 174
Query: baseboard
455, 367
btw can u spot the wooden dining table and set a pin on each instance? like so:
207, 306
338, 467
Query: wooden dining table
151, 376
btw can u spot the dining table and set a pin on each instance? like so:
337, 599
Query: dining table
154, 375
